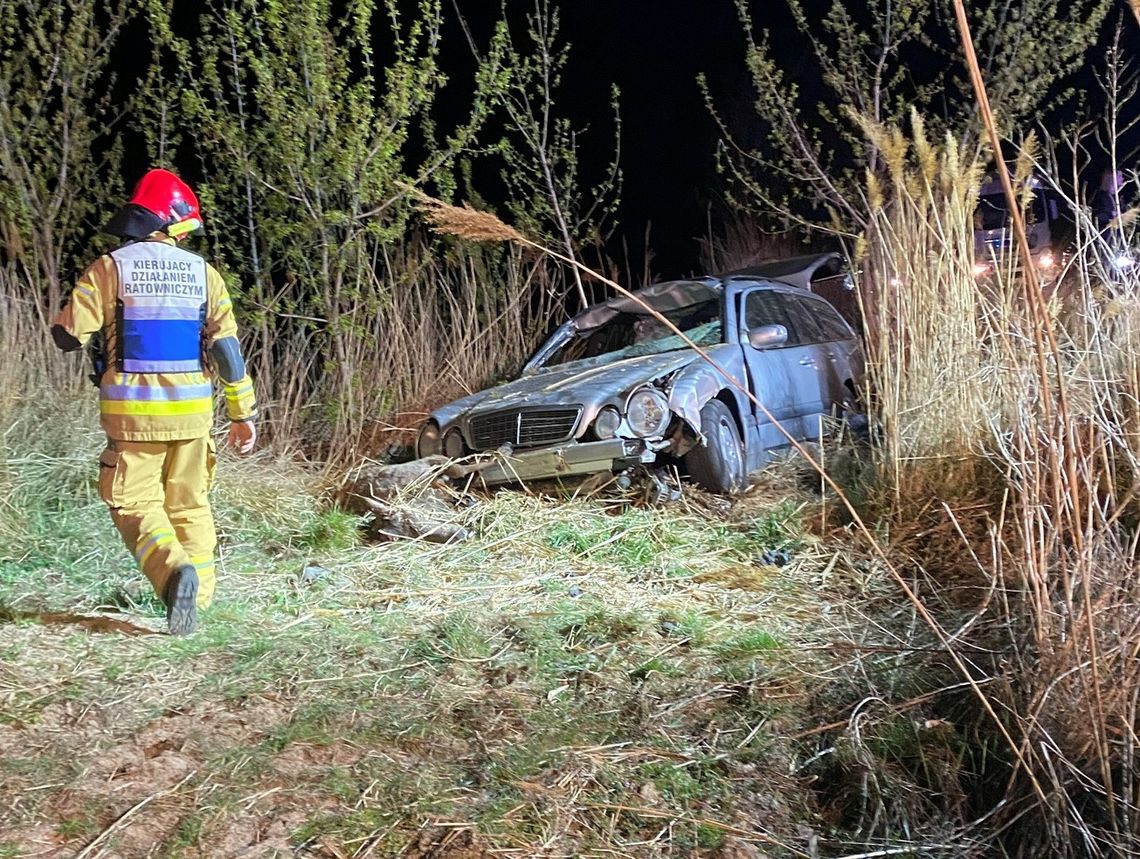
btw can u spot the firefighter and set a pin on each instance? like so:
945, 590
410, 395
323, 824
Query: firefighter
167, 328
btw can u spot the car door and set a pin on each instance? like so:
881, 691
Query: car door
842, 350
814, 362
777, 374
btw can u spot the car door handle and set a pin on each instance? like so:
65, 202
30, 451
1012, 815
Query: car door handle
808, 362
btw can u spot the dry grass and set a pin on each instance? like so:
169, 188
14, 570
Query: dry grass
1006, 468
743, 240
431, 323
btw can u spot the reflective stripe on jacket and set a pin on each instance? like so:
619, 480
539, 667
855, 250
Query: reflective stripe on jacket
154, 388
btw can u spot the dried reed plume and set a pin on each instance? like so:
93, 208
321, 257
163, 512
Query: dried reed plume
467, 223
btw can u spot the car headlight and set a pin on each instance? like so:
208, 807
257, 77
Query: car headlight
453, 447
647, 412
607, 422
1046, 260
428, 443
1122, 262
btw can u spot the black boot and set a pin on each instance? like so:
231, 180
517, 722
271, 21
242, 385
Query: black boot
181, 598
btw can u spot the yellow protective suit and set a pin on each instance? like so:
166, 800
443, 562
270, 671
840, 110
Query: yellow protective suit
157, 407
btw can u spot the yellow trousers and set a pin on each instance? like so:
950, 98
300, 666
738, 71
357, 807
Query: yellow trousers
158, 495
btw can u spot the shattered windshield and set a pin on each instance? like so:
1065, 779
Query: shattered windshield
631, 335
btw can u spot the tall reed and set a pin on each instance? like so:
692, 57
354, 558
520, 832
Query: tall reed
1010, 429
928, 361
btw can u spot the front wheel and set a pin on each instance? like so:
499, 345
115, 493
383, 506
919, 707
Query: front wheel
717, 465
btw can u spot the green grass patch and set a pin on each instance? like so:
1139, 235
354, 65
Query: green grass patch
188, 834
634, 540
778, 528
754, 641
348, 826
677, 784
332, 530
80, 826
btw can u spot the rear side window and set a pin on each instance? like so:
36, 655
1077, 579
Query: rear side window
829, 320
808, 321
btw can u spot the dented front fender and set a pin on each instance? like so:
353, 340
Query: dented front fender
695, 384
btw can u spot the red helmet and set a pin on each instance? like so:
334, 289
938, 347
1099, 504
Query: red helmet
161, 201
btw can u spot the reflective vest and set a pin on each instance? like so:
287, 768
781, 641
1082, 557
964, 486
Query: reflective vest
169, 305
160, 309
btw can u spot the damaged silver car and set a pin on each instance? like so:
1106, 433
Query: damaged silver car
614, 387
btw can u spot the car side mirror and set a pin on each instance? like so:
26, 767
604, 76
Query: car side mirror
767, 336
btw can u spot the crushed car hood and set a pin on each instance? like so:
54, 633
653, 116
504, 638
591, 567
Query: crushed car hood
587, 383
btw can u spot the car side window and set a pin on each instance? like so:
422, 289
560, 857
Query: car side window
805, 320
834, 328
763, 307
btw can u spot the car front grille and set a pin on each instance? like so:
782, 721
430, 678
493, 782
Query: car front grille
523, 428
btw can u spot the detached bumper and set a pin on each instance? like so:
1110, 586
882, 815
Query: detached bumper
566, 460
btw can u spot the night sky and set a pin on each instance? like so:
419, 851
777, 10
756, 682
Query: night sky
654, 50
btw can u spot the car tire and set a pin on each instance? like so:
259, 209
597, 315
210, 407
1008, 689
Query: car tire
718, 465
